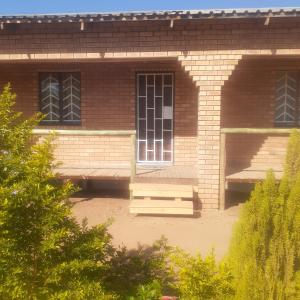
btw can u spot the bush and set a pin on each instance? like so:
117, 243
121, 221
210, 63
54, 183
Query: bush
265, 249
150, 291
198, 278
44, 253
139, 270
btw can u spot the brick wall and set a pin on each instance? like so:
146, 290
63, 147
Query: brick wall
208, 51
248, 100
133, 39
108, 103
93, 151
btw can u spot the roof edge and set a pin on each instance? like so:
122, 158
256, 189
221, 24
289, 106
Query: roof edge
154, 15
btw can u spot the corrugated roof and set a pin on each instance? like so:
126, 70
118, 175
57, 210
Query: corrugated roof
154, 15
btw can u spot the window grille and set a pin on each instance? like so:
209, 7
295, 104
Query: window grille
287, 100
60, 97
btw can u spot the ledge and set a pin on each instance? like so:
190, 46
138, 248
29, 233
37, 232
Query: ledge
83, 132
258, 130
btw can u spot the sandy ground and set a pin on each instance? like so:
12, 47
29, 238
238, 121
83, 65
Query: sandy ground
212, 229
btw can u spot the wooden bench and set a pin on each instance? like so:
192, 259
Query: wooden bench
150, 198
251, 175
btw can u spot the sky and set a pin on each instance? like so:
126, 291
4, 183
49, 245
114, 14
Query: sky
11, 7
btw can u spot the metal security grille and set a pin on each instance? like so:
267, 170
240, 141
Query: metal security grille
287, 106
60, 97
71, 97
155, 117
49, 97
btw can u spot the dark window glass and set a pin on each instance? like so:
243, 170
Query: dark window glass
158, 129
142, 129
150, 97
142, 150
158, 107
167, 124
150, 119
168, 79
167, 140
142, 85
167, 96
150, 79
142, 107
150, 143
158, 85
158, 151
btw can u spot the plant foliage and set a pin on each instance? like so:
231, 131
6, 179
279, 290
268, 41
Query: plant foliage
265, 249
44, 253
200, 278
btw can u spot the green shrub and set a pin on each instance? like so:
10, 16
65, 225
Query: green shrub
44, 253
265, 248
131, 271
198, 278
150, 291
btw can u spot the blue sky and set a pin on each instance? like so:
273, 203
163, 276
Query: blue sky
56, 6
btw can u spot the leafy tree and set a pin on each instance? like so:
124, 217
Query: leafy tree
44, 253
265, 249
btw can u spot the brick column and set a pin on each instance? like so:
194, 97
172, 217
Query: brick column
209, 72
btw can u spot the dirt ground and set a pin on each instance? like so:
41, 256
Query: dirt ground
212, 229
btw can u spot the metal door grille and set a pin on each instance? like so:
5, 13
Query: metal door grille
155, 92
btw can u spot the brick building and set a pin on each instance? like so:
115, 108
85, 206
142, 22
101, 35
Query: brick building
192, 84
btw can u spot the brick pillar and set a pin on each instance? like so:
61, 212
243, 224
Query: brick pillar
209, 72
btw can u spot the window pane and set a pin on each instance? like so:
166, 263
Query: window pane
158, 107
142, 151
49, 97
168, 79
158, 85
158, 151
142, 107
150, 119
150, 79
167, 124
167, 156
150, 97
142, 129
71, 97
150, 140
142, 85
167, 96
167, 140
150, 155
158, 129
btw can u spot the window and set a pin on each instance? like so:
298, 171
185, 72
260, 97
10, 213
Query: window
287, 108
60, 98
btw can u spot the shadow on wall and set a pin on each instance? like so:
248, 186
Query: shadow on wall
248, 100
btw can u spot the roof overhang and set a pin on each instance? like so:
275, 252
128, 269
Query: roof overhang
250, 13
